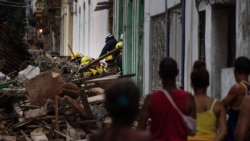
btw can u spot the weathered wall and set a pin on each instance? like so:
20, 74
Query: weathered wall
243, 28
242, 43
218, 49
152, 8
227, 80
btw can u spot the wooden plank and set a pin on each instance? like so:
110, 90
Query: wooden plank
25, 135
86, 105
56, 116
74, 104
70, 93
109, 78
96, 99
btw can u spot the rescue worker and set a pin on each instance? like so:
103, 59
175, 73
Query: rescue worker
111, 67
93, 70
76, 56
89, 71
118, 59
100, 68
110, 44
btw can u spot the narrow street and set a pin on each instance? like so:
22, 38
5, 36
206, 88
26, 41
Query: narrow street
124, 70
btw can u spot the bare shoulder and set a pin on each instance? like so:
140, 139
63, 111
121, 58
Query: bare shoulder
190, 97
247, 99
237, 88
218, 106
143, 136
190, 103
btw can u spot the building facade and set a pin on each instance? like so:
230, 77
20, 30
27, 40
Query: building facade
188, 31
129, 21
90, 27
45, 17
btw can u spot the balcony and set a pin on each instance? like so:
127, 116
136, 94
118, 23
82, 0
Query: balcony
39, 11
54, 5
39, 8
216, 2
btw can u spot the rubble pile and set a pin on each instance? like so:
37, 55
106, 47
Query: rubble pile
52, 99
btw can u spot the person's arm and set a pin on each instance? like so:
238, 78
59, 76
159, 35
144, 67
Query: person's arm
221, 122
242, 127
191, 108
191, 105
144, 113
234, 90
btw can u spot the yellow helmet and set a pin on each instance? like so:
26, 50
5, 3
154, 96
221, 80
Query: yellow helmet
93, 71
85, 60
108, 58
119, 44
75, 55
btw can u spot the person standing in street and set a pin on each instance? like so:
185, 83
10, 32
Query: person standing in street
110, 45
210, 113
166, 123
122, 103
233, 101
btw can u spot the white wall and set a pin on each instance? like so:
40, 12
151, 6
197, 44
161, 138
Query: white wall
147, 75
172, 3
191, 42
156, 7
33, 5
89, 28
228, 80
64, 36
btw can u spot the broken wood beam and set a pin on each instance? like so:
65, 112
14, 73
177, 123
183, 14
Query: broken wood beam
96, 99
76, 106
86, 105
71, 93
56, 115
45, 125
25, 135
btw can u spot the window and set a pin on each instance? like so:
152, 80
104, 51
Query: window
175, 40
202, 25
231, 36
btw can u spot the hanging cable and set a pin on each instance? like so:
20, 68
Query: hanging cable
8, 2
20, 6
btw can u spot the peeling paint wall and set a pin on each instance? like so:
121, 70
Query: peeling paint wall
243, 28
